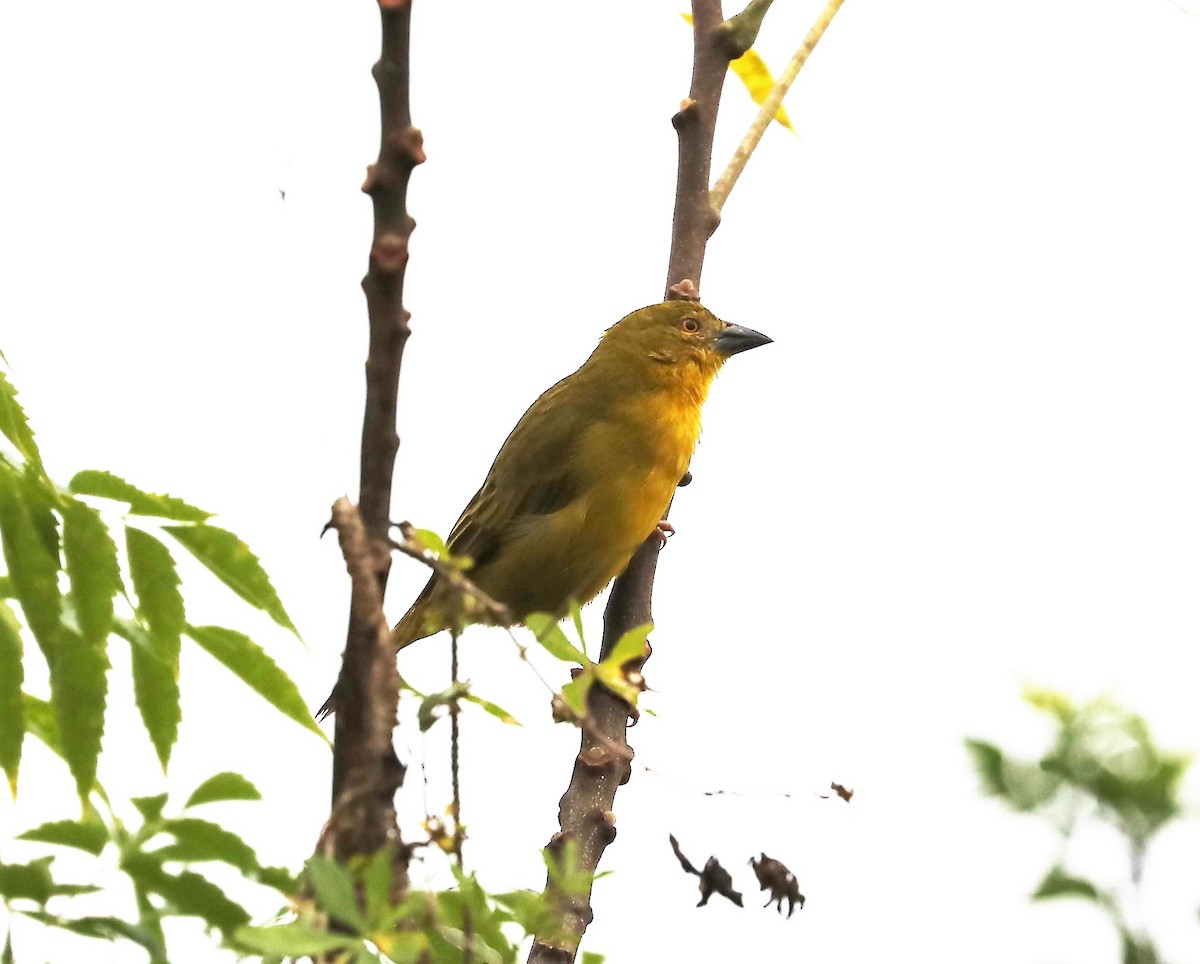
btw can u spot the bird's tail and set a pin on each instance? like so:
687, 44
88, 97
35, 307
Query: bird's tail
417, 623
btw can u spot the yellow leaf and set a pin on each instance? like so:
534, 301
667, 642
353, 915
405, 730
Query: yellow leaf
753, 71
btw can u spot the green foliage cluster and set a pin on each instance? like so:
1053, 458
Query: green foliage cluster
92, 562
1102, 765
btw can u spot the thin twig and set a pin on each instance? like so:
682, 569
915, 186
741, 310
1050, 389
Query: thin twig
455, 792
768, 110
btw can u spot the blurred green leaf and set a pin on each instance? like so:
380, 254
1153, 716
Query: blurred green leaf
15, 425
12, 712
188, 894
334, 890
105, 928
257, 670
577, 619
200, 840
491, 708
39, 720
31, 881
223, 786
105, 485
433, 542
575, 693
547, 631
150, 808
591, 957
377, 884
87, 835
91, 562
1058, 883
292, 940
231, 561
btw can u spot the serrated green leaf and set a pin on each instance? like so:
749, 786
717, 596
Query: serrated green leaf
231, 561
156, 692
188, 894
292, 940
15, 425
631, 645
105, 485
282, 879
32, 567
12, 711
150, 808
78, 693
39, 720
550, 635
256, 669
223, 786
87, 835
1058, 883
91, 562
155, 661
200, 840
334, 889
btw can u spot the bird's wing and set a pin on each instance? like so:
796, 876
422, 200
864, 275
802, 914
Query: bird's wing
533, 474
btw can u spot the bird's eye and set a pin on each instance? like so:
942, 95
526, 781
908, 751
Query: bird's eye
691, 324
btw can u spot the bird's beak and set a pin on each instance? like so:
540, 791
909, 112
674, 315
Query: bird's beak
734, 338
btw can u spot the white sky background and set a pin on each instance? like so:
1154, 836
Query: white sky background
969, 460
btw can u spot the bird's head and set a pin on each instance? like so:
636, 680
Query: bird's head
681, 334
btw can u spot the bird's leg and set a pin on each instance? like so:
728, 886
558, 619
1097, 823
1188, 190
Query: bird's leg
664, 530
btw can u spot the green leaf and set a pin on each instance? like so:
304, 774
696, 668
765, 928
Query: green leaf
591, 957
150, 808
292, 940
30, 881
107, 929
39, 720
231, 561
200, 840
334, 889
156, 692
12, 711
188, 894
631, 645
545, 627
91, 558
499, 712
989, 763
577, 619
433, 542
87, 835
575, 693
156, 658
223, 786
156, 583
257, 670
15, 425
377, 884
32, 566
78, 692
1058, 883
105, 485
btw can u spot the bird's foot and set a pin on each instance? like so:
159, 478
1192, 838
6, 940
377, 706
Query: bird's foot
664, 530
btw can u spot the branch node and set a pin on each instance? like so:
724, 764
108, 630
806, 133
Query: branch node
389, 253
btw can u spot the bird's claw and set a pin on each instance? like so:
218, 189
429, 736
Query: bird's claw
664, 530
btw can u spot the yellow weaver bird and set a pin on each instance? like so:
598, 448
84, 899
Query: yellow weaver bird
588, 473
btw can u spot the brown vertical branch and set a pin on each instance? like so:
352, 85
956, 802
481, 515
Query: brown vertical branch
585, 811
366, 772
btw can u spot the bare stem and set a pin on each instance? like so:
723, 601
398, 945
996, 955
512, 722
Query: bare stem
769, 108
366, 772
603, 763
